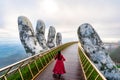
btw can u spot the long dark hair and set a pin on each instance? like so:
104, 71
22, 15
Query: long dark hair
59, 55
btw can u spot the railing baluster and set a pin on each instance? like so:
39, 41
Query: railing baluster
52, 55
90, 74
7, 73
5, 77
96, 77
83, 58
20, 73
87, 68
45, 60
36, 65
41, 62
30, 69
85, 64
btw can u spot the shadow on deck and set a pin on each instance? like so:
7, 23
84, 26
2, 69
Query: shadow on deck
72, 66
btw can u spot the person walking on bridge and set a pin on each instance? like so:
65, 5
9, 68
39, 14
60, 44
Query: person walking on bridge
59, 65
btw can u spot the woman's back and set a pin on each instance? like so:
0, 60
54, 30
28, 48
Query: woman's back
59, 65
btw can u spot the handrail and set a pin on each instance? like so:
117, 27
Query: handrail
90, 70
29, 67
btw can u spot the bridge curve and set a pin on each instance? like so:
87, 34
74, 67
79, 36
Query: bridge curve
72, 66
78, 65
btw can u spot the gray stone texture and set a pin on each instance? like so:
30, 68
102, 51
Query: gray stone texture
27, 36
94, 48
51, 37
58, 39
40, 34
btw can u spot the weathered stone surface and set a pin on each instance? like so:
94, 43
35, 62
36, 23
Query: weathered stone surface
51, 37
95, 50
40, 34
58, 39
27, 36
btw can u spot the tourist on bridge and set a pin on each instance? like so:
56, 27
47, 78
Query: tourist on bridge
59, 65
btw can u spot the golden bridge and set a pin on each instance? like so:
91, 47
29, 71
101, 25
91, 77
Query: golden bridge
39, 67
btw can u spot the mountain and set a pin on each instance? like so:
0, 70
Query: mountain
115, 54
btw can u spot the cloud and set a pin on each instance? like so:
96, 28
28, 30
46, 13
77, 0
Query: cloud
64, 15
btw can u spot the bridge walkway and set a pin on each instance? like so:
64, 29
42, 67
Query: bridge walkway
72, 66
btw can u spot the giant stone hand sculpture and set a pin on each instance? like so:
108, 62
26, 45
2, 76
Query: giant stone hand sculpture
40, 34
27, 36
58, 39
95, 50
51, 37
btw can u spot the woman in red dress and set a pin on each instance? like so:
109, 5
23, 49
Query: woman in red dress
59, 65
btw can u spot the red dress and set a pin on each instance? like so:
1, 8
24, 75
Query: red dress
59, 65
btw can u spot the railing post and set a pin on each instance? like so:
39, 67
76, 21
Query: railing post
20, 73
90, 73
87, 68
48, 57
52, 55
96, 77
6, 73
41, 62
45, 60
36, 65
85, 64
5, 77
30, 69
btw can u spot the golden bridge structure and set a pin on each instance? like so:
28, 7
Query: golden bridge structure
39, 67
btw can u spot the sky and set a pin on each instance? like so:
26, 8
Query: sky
65, 15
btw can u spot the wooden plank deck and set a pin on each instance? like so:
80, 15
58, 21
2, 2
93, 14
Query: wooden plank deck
72, 66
